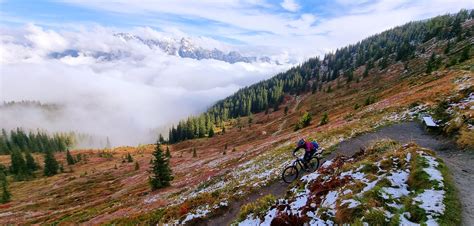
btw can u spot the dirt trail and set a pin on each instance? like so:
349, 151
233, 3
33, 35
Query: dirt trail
460, 164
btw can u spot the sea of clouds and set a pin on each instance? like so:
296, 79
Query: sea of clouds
128, 99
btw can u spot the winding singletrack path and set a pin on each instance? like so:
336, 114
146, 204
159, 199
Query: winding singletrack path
460, 163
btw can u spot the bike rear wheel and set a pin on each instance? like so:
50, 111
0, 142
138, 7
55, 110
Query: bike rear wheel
290, 174
314, 164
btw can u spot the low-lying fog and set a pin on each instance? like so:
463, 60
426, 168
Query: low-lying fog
127, 98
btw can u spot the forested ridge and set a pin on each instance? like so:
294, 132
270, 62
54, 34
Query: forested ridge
377, 52
19, 140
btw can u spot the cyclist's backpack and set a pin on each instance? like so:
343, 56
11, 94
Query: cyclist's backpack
315, 145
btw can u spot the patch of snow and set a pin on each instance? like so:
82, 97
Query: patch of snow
369, 186
310, 177
348, 191
431, 201
352, 203
356, 175
394, 205
151, 199
405, 222
388, 214
431, 221
319, 222
298, 203
330, 200
399, 187
326, 164
200, 212
432, 171
396, 192
250, 221
269, 217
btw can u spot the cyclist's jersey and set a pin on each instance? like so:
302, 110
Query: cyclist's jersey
309, 146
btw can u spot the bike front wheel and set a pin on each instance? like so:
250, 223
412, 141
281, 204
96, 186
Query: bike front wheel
290, 174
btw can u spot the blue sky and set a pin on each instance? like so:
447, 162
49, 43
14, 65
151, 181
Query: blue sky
289, 25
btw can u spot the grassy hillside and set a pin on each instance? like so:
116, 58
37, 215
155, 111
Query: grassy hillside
103, 188
387, 184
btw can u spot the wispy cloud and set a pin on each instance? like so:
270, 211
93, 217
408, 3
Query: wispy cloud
290, 5
283, 25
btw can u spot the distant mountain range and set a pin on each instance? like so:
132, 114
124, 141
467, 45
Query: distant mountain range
183, 47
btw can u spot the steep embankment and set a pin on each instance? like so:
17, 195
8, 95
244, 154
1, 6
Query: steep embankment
384, 184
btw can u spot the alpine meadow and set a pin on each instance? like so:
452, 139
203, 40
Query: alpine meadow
238, 112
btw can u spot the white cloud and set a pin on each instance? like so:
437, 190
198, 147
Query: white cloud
290, 5
256, 23
124, 99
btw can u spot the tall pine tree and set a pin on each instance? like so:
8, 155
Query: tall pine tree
6, 196
31, 165
160, 169
51, 166
18, 165
168, 154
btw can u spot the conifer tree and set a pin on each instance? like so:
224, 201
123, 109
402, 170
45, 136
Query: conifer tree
239, 123
168, 153
324, 119
431, 65
70, 160
129, 157
465, 54
18, 165
161, 139
6, 196
51, 166
366, 72
137, 166
329, 89
211, 131
306, 119
160, 169
194, 153
31, 165
250, 119
286, 110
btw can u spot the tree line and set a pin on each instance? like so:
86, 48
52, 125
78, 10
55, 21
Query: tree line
20, 140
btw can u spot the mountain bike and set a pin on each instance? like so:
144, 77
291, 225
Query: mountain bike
293, 171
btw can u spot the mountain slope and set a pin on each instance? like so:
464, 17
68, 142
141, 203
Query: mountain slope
250, 154
438, 42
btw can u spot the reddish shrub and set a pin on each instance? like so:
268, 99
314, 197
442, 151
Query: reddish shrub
289, 219
183, 209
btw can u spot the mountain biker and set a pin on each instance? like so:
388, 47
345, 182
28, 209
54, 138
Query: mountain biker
310, 149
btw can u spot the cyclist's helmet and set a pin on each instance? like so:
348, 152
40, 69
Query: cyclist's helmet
301, 142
